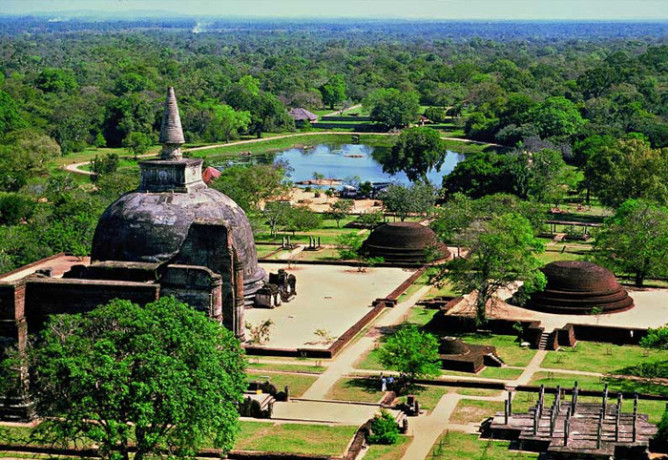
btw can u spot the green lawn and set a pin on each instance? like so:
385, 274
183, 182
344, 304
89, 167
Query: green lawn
477, 392
391, 452
420, 315
264, 249
418, 284
360, 390
553, 379
298, 383
602, 357
294, 438
474, 411
370, 361
286, 367
506, 347
447, 290
428, 395
523, 401
325, 254
552, 256
461, 446
500, 373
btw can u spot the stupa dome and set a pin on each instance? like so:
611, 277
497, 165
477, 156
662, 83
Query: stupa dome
577, 287
403, 242
152, 223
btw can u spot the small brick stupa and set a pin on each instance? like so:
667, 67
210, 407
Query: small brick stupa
578, 288
404, 243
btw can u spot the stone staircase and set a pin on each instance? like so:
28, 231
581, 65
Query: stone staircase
495, 360
542, 344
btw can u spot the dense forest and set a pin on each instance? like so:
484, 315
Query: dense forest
70, 86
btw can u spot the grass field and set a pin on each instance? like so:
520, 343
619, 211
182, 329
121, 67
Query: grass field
391, 452
298, 383
460, 446
428, 395
474, 411
553, 379
359, 390
294, 438
478, 392
602, 357
506, 347
286, 367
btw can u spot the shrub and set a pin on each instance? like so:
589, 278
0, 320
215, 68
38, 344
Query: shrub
384, 429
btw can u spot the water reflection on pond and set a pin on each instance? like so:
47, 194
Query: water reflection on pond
339, 161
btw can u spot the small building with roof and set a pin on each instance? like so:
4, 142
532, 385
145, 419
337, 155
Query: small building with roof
303, 116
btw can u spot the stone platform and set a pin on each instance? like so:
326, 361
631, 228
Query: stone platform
330, 297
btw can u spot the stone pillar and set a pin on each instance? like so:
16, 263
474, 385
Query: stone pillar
567, 422
605, 400
574, 396
238, 286
505, 412
510, 403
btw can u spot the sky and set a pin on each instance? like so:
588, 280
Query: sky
368, 9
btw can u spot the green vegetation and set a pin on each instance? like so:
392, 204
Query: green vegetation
500, 252
352, 389
478, 392
411, 352
388, 452
603, 358
415, 152
163, 350
298, 383
294, 438
460, 446
474, 411
384, 429
598, 383
507, 347
278, 367
428, 395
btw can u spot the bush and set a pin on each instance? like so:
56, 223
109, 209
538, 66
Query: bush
384, 429
662, 433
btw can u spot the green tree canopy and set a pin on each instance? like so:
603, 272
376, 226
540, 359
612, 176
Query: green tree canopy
630, 169
500, 251
162, 376
557, 116
137, 143
416, 152
392, 108
340, 210
402, 200
250, 185
334, 91
411, 352
635, 240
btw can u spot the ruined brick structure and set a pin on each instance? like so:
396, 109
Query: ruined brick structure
172, 236
577, 287
404, 243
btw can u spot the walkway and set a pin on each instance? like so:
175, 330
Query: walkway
343, 364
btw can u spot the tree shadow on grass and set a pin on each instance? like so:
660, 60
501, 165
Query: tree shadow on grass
370, 386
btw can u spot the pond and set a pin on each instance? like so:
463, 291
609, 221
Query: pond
341, 161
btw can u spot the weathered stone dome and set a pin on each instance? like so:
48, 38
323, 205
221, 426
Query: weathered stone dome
151, 227
403, 242
152, 223
577, 287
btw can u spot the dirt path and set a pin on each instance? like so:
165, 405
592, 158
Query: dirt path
339, 112
343, 364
